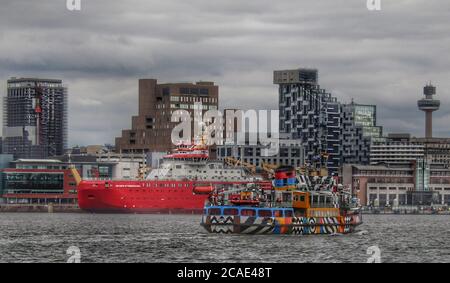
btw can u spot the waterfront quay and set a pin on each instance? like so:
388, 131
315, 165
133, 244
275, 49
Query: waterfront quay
50, 208
417, 210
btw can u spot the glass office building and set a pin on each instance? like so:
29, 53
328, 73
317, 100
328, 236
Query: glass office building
359, 131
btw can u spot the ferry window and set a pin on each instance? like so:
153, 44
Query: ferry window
214, 211
277, 213
248, 212
321, 199
265, 213
231, 211
302, 198
288, 213
329, 200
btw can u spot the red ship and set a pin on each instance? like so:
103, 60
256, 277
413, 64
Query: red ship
181, 184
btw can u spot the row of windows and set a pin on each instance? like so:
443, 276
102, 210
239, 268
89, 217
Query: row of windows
192, 106
249, 212
391, 188
196, 91
166, 185
193, 99
154, 199
48, 167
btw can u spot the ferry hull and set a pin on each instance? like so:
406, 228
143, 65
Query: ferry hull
281, 225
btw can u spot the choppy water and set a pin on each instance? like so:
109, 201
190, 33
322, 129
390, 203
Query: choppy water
179, 238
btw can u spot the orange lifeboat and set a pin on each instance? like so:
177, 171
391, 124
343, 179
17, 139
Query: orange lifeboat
203, 189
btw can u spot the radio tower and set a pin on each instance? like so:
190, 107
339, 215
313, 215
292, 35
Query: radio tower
429, 105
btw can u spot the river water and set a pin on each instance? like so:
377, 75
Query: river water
179, 238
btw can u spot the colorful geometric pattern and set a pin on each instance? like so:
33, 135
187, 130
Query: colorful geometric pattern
281, 225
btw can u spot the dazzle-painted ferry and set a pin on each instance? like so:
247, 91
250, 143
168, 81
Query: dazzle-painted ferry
288, 208
180, 185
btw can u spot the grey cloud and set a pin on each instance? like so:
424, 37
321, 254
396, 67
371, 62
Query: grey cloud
374, 57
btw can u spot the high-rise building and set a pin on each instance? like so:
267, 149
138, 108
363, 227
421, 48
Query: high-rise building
35, 118
151, 130
359, 131
310, 114
429, 105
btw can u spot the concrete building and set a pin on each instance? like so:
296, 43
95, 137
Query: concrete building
291, 153
310, 114
436, 150
35, 118
124, 165
429, 105
383, 185
403, 149
396, 149
359, 131
151, 129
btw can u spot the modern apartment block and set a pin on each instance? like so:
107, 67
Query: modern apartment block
359, 131
310, 114
35, 118
151, 129
290, 153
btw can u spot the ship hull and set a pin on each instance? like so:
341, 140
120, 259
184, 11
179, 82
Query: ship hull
281, 225
149, 197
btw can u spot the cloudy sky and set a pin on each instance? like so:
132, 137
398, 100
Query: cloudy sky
383, 57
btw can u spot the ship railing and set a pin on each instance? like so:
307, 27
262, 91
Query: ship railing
283, 204
100, 179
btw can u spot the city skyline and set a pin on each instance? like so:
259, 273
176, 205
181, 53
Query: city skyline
383, 58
